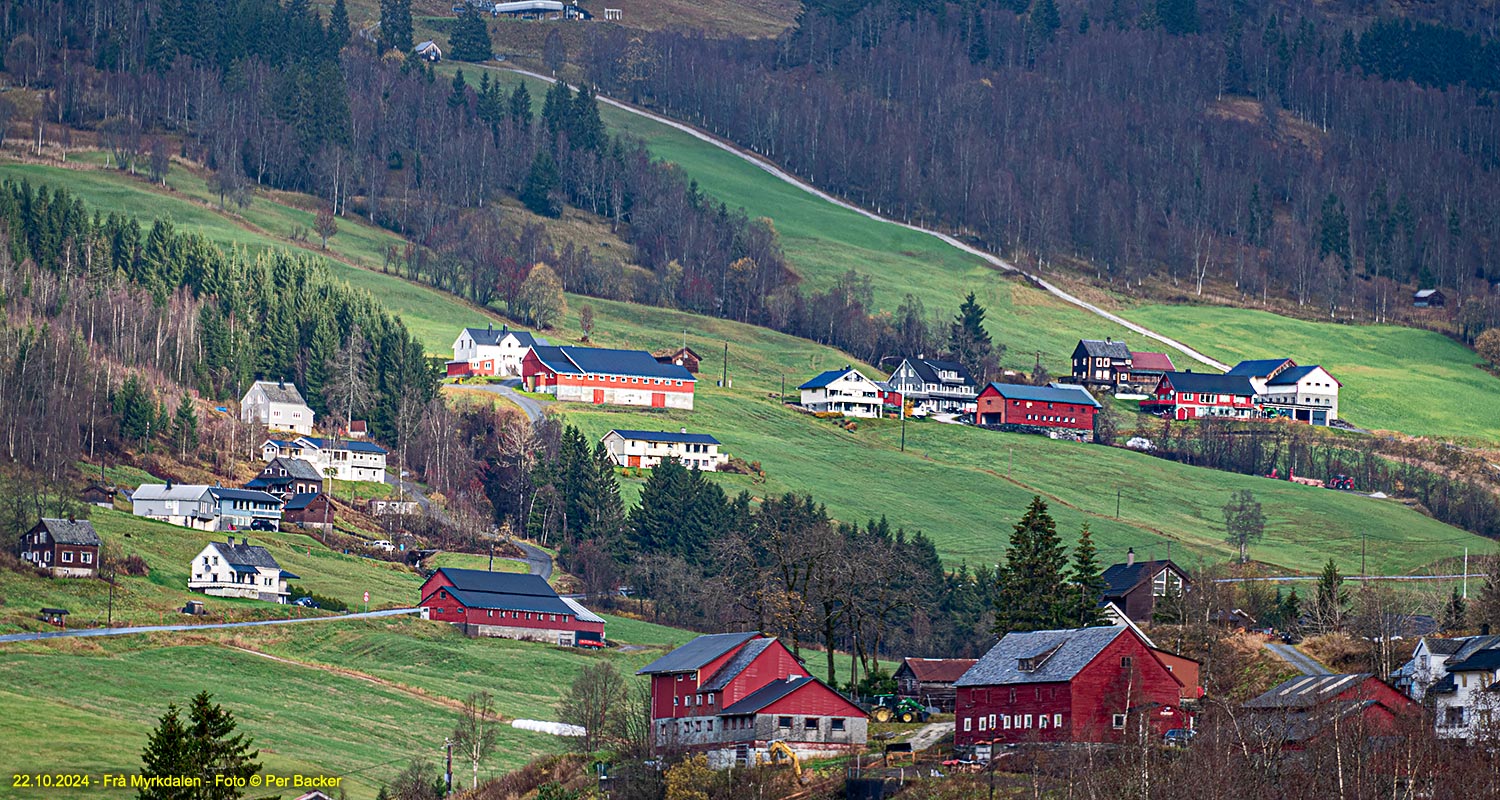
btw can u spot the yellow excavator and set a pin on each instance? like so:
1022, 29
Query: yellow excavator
778, 752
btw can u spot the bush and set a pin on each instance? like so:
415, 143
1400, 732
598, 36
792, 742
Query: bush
323, 601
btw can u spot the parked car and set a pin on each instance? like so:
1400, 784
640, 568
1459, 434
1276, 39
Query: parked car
262, 525
382, 544
305, 602
1178, 737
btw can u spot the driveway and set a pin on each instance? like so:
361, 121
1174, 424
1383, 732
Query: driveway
414, 492
929, 735
1302, 661
30, 637
537, 558
531, 408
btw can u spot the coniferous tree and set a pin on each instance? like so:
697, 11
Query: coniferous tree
1045, 19
217, 750
1030, 592
1178, 17
338, 27
1085, 583
396, 26
968, 341
605, 512
471, 40
1455, 612
979, 41
136, 410
520, 107
460, 94
540, 193
1487, 609
587, 129
185, 427
1332, 598
655, 521
168, 754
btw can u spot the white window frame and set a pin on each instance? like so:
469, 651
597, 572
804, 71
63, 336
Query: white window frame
1117, 722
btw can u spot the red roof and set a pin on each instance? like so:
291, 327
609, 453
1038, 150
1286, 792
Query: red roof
938, 670
1160, 362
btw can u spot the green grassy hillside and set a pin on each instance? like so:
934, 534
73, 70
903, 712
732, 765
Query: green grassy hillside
1400, 379
950, 483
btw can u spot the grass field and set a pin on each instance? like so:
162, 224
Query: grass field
1402, 379
474, 561
951, 482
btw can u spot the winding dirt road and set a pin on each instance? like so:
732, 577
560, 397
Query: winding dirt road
989, 258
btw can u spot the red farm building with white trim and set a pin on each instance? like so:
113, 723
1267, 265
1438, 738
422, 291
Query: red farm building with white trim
509, 606
1060, 406
600, 376
730, 695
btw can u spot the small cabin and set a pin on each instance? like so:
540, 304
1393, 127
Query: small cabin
1429, 298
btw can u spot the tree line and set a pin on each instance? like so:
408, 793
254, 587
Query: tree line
1267, 148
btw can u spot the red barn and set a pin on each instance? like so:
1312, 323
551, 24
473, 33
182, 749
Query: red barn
1081, 685
509, 606
1305, 708
617, 377
1059, 406
1193, 395
729, 695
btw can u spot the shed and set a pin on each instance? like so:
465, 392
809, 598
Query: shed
1429, 298
930, 680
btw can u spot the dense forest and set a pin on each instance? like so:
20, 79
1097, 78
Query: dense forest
1305, 154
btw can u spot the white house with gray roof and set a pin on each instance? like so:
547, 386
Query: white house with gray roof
187, 505
278, 406
486, 351
226, 569
648, 449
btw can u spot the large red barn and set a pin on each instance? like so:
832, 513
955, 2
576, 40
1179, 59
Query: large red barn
1080, 685
1061, 406
509, 606
729, 695
600, 376
1307, 707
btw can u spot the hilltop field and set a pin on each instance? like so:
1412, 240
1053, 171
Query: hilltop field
963, 487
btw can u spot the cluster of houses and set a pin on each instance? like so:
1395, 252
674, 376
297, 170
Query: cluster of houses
1460, 679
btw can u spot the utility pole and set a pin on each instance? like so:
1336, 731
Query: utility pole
1466, 573
724, 376
492, 555
1117, 502
903, 425
1362, 572
109, 620
782, 396
448, 776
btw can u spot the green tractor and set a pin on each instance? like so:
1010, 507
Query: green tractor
886, 707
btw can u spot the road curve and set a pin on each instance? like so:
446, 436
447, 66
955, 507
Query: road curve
30, 637
531, 408
1302, 661
537, 558
990, 258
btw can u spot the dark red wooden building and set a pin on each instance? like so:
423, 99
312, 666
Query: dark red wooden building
1081, 685
1057, 406
68, 548
510, 606
1305, 708
729, 695
930, 680
1134, 586
1194, 395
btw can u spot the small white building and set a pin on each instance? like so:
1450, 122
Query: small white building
1428, 665
226, 569
187, 505
1466, 702
842, 391
348, 460
1305, 394
278, 406
649, 448
486, 351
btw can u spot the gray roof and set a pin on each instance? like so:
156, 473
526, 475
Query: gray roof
1482, 661
490, 336
296, 468
245, 555
1074, 650
766, 695
928, 370
696, 653
280, 392
1119, 579
1443, 647
1307, 691
64, 531
1104, 349
1058, 393
736, 665
1473, 644
668, 437
174, 491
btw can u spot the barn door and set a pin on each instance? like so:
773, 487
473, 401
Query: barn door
658, 400
598, 395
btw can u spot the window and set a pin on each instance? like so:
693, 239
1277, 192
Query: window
1027, 722
710, 726
783, 722
1117, 722
810, 724
67, 556
1041, 721
981, 723
1005, 721
1125, 662
698, 726
710, 698
675, 701
993, 726
968, 724
836, 725
1057, 720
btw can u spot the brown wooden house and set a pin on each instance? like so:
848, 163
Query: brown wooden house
97, 495
68, 548
1135, 585
309, 510
683, 357
930, 680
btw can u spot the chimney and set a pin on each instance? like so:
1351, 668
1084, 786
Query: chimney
231, 540
281, 383
169, 484
1484, 630
684, 430
1130, 557
491, 329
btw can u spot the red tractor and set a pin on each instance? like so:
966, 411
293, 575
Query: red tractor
1343, 483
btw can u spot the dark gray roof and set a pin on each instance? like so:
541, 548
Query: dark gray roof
1472, 645
477, 588
1443, 647
766, 695
1306, 691
1257, 368
351, 445
300, 500
1076, 395
666, 436
601, 361
297, 468
823, 379
491, 336
251, 495
1074, 650
245, 555
1096, 348
696, 653
1208, 383
1300, 725
279, 392
1121, 578
927, 369
737, 664
1482, 661
79, 532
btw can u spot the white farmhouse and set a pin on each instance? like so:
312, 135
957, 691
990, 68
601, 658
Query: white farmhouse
649, 448
278, 406
187, 505
1428, 665
226, 569
486, 351
1467, 700
843, 391
1305, 394
347, 460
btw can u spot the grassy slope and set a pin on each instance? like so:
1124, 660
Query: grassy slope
950, 483
1417, 382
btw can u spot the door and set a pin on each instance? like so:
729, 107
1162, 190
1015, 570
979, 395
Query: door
599, 396
633, 461
1319, 416
658, 400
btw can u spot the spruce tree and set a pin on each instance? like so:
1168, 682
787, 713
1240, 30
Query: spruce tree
1455, 612
1085, 583
654, 522
168, 754
136, 410
979, 41
520, 107
459, 97
1030, 589
1178, 17
217, 750
471, 40
604, 511
542, 183
587, 130
1045, 19
185, 427
395, 26
557, 107
338, 27
968, 341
